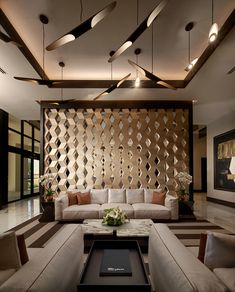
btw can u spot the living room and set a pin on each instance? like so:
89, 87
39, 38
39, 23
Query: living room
101, 130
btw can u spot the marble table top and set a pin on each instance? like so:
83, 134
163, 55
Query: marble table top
133, 227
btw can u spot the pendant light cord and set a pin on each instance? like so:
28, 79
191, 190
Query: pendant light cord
62, 78
111, 70
152, 48
189, 57
212, 11
137, 22
43, 50
81, 11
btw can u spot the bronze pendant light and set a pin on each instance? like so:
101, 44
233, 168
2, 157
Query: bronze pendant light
149, 75
140, 29
7, 39
44, 20
115, 85
82, 28
188, 28
214, 30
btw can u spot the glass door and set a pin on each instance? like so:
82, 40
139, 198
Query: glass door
27, 181
35, 176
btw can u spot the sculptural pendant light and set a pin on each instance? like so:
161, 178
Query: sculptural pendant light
7, 39
44, 81
82, 28
213, 33
188, 28
113, 86
149, 75
139, 30
137, 80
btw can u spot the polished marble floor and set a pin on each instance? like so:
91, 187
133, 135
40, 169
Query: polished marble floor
18, 212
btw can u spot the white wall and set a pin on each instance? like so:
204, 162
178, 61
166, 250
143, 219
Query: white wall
218, 127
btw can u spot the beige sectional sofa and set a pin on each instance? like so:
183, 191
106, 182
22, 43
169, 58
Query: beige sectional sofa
55, 267
137, 203
174, 268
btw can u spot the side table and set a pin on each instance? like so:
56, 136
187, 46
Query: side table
48, 214
186, 210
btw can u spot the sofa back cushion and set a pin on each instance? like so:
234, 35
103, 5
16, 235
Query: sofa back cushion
117, 196
148, 194
99, 196
219, 251
9, 251
134, 196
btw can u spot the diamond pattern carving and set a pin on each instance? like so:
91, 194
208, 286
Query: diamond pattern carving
131, 148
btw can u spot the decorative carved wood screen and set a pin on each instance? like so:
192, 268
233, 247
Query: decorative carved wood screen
115, 147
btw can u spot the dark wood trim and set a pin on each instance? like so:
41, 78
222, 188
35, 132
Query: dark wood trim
121, 104
221, 202
190, 133
3, 157
8, 27
227, 26
108, 83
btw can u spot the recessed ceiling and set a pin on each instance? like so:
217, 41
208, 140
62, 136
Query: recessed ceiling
86, 58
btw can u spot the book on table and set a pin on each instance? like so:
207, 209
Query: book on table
115, 262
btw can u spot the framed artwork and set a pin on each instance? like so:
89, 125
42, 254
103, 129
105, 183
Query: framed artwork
224, 161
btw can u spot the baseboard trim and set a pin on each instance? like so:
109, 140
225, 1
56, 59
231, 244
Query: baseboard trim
221, 202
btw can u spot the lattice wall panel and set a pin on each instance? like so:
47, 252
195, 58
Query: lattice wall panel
115, 148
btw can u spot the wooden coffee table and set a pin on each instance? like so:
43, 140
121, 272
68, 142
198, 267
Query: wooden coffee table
134, 229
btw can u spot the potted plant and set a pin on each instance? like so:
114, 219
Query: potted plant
184, 180
46, 181
114, 217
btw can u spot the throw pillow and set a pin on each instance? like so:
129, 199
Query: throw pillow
83, 198
9, 252
72, 198
159, 198
219, 251
202, 247
24, 258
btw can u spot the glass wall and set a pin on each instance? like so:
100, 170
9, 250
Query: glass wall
23, 159
13, 176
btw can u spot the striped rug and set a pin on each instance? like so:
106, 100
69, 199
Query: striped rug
37, 233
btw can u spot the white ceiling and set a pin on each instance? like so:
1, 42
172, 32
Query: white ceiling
86, 57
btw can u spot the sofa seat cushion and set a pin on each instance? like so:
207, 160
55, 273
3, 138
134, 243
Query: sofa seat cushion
125, 207
151, 211
227, 276
6, 274
89, 211
174, 268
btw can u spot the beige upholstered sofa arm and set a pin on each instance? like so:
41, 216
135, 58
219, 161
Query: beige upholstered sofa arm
60, 204
172, 204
